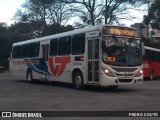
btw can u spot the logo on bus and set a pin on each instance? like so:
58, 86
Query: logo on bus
145, 65
58, 65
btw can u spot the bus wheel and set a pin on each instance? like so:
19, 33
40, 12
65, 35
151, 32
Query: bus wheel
78, 80
29, 76
151, 75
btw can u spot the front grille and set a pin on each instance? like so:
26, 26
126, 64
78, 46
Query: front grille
124, 69
128, 74
125, 80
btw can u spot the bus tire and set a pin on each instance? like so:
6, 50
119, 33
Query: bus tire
151, 75
78, 80
29, 76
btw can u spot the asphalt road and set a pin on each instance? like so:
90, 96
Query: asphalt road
16, 94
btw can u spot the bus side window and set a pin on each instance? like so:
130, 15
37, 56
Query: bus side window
155, 56
53, 47
37, 49
16, 52
24, 51
64, 46
148, 55
33, 49
78, 44
13, 52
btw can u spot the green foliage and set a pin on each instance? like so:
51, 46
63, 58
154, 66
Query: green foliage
153, 17
150, 43
4, 44
45, 11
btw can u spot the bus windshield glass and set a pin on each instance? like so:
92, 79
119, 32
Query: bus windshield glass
121, 51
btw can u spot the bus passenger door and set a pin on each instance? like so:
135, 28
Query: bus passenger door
93, 60
44, 56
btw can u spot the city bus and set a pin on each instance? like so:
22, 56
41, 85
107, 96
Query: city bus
151, 62
102, 55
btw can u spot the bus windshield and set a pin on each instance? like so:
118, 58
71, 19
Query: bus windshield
121, 51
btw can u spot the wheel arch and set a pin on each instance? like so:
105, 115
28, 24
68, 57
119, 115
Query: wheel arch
75, 70
28, 70
153, 74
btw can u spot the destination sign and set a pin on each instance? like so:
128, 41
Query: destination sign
110, 59
121, 31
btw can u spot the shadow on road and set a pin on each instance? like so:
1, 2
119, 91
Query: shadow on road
121, 89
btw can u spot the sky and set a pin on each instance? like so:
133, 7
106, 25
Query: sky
8, 9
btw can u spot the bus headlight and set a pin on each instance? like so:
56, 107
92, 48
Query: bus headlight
108, 72
140, 72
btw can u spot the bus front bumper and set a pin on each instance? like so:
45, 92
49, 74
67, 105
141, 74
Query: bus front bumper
106, 80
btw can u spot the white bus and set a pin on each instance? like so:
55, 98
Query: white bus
104, 55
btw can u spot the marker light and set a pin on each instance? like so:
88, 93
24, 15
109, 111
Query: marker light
107, 72
139, 73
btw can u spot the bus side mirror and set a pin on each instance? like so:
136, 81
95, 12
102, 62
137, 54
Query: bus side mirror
142, 46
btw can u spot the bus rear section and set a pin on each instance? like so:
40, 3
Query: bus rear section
151, 63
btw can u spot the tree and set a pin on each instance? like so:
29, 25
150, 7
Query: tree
153, 17
46, 11
111, 11
3, 34
87, 10
116, 10
59, 13
153, 20
5, 45
39, 15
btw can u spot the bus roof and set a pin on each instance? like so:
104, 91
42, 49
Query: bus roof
150, 48
77, 31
